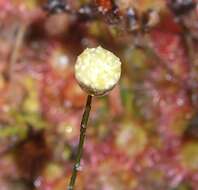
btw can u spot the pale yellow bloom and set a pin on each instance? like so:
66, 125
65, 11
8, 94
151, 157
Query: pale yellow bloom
97, 70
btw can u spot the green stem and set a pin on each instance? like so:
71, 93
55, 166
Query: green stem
83, 127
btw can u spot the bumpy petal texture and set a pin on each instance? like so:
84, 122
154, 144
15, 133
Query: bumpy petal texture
97, 70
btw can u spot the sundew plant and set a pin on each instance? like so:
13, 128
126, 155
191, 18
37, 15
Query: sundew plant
98, 94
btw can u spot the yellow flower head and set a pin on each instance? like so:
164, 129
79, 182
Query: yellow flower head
97, 70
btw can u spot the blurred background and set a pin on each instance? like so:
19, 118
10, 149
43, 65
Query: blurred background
142, 136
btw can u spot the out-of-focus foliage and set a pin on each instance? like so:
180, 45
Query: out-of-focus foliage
142, 136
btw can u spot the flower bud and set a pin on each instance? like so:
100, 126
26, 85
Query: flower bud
97, 70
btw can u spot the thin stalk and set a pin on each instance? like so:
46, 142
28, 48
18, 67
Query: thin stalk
19, 39
83, 127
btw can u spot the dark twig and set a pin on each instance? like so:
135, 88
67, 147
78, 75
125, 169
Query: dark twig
83, 128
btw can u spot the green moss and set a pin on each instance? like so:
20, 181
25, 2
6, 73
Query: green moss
189, 155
